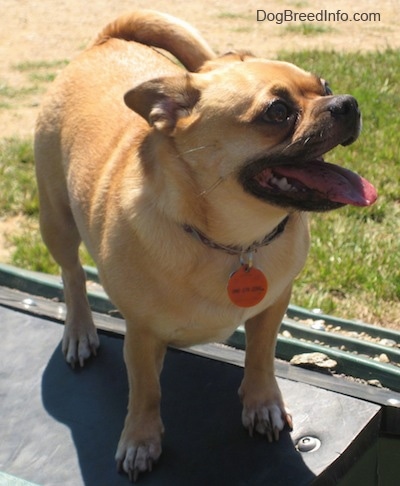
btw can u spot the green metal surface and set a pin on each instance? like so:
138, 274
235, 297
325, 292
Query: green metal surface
354, 356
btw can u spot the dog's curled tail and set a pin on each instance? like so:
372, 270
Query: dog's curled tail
160, 30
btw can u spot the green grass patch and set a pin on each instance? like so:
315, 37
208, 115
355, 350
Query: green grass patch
34, 66
308, 29
30, 251
37, 75
300, 4
234, 21
18, 194
40, 72
10, 94
234, 16
32, 254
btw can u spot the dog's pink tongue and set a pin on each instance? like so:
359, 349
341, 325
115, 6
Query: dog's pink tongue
335, 183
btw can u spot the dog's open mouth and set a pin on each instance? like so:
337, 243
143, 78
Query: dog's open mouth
314, 185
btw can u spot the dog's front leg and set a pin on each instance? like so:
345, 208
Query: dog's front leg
140, 443
263, 407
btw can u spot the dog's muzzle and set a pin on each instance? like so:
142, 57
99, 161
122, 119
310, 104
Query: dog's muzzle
296, 175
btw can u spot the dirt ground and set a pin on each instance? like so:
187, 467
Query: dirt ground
49, 30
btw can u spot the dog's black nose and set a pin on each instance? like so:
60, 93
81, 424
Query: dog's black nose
343, 105
344, 109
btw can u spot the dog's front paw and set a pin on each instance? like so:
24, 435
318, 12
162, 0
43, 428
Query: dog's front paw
264, 411
267, 419
135, 458
79, 343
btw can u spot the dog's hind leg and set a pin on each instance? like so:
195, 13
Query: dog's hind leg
60, 234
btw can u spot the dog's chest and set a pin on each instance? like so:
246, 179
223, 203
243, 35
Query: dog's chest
207, 322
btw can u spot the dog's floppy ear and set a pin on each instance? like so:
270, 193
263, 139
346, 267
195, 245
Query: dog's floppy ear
163, 101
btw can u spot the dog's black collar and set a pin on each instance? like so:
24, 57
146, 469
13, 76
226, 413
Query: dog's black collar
236, 250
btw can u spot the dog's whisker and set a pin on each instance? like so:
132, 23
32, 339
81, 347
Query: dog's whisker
212, 187
195, 149
185, 153
291, 145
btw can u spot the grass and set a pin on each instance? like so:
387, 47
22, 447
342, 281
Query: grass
36, 75
308, 29
10, 94
353, 267
30, 66
236, 21
19, 196
235, 16
18, 192
39, 72
30, 251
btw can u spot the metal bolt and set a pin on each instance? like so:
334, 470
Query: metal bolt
394, 402
61, 310
308, 444
28, 302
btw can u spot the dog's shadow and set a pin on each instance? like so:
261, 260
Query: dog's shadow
204, 441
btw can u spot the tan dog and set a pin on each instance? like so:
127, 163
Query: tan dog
183, 185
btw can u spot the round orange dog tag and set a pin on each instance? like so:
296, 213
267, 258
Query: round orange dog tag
247, 286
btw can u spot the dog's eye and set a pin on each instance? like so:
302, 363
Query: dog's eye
277, 112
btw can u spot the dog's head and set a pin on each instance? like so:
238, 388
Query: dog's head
266, 125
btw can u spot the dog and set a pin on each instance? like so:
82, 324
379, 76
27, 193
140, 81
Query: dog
190, 188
